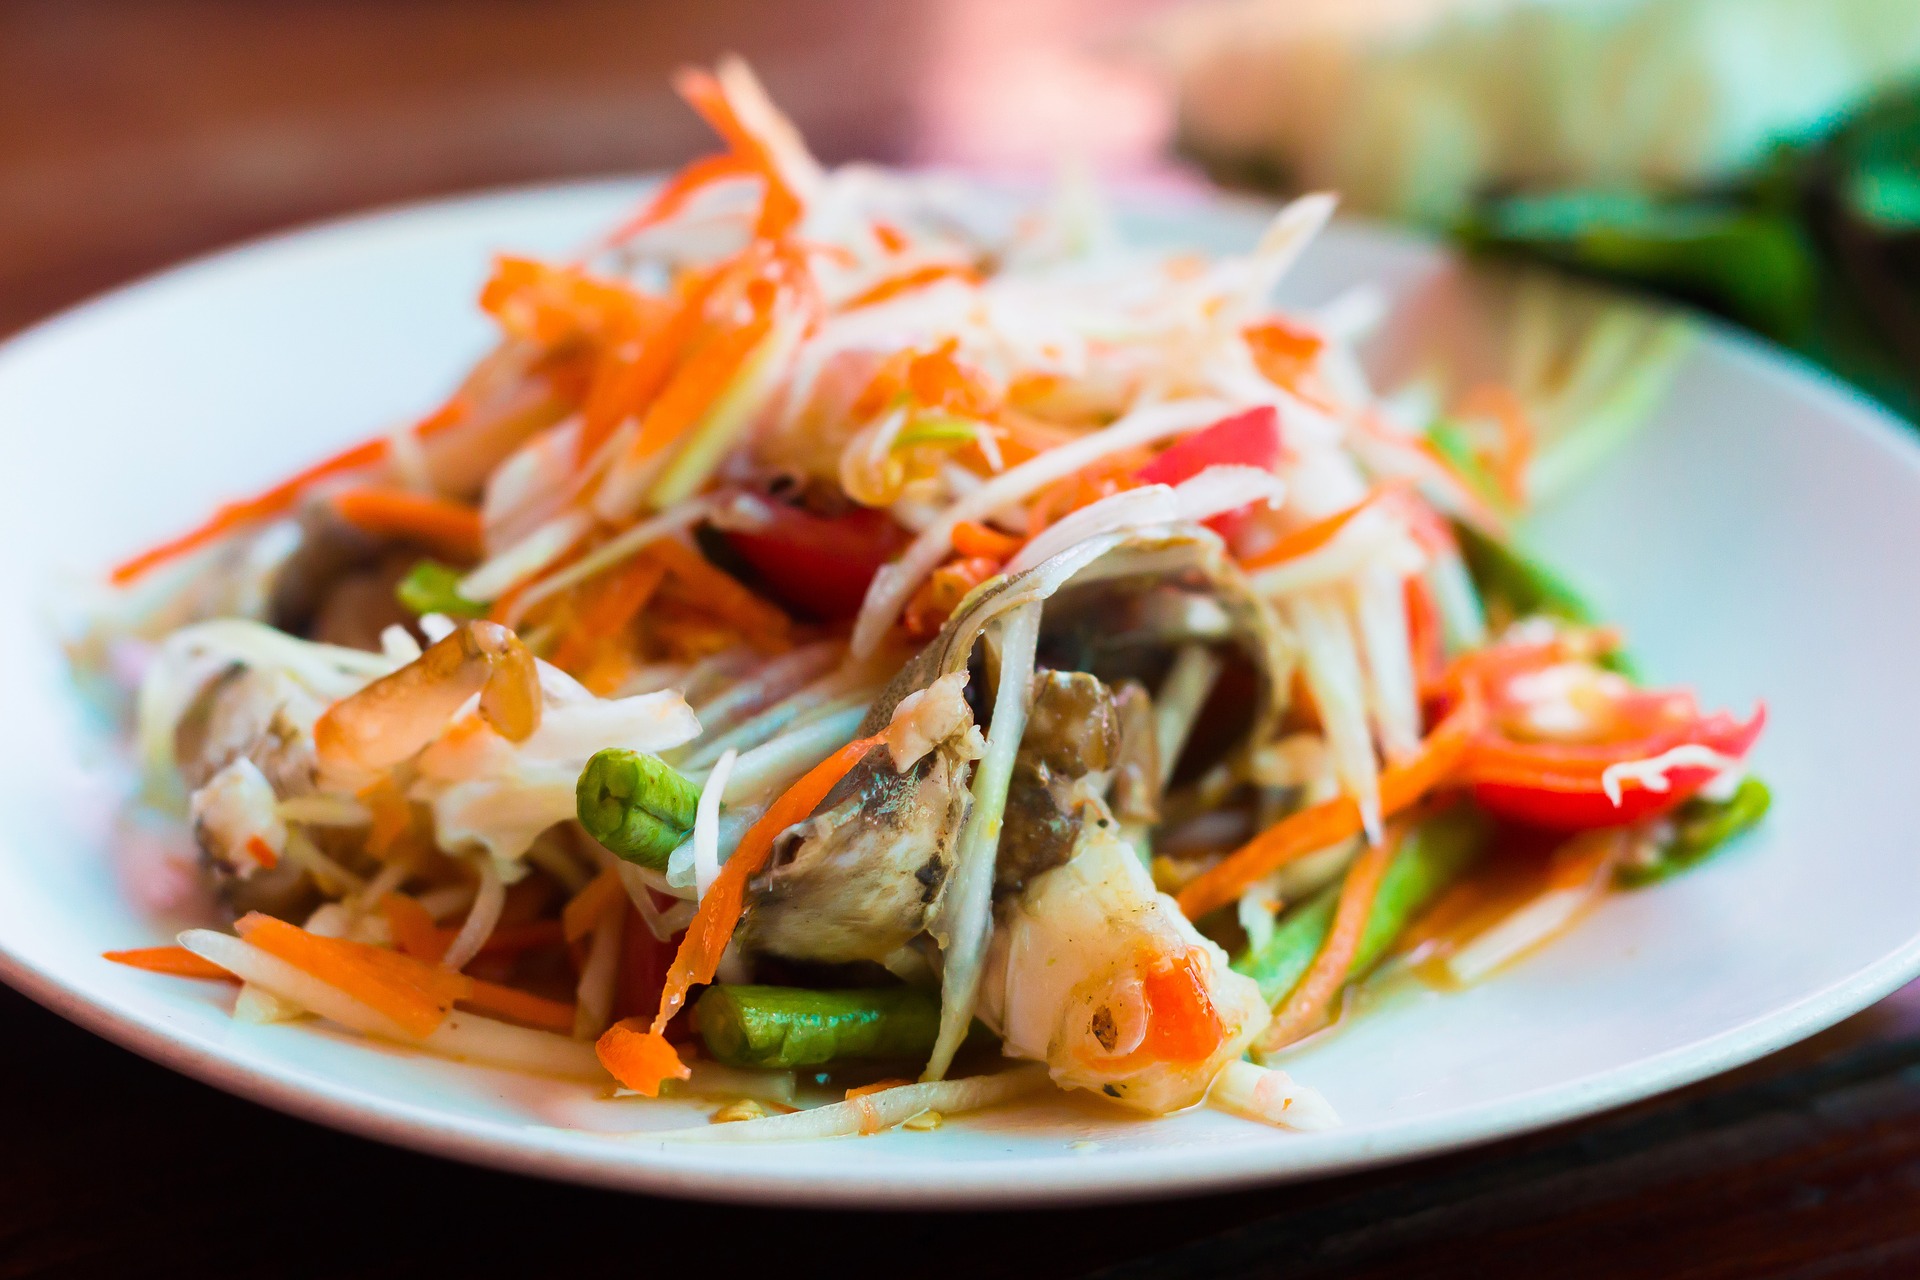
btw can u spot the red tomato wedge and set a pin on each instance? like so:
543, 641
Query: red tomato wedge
819, 565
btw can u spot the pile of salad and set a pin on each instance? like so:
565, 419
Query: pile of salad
836, 640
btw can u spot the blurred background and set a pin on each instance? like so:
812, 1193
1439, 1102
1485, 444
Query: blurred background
1758, 157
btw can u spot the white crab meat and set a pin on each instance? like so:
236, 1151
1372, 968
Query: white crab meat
1100, 977
233, 811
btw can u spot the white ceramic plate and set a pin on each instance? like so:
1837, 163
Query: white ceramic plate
1757, 541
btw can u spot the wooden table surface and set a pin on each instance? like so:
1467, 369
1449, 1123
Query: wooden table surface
136, 133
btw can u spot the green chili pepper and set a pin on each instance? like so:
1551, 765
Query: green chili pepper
788, 1027
1430, 858
636, 805
432, 587
1699, 828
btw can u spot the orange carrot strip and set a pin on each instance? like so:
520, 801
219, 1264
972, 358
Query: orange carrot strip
642, 1059
907, 281
721, 594
639, 1058
413, 929
521, 1006
275, 501
974, 540
681, 188
696, 383
862, 1090
178, 961
1325, 824
611, 604
451, 528
1328, 973
1318, 534
416, 996
587, 907
262, 852
1496, 403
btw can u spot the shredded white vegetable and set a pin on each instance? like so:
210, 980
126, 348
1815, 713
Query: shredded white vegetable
965, 921
896, 581
481, 920
706, 825
1270, 1096
871, 1113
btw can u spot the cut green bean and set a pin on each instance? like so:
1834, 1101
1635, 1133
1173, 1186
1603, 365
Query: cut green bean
1429, 859
1513, 584
432, 587
1700, 827
1512, 581
792, 1027
636, 805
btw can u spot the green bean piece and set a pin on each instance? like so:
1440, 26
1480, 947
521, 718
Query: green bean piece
636, 805
1430, 858
1513, 584
1700, 827
789, 1027
1512, 581
432, 587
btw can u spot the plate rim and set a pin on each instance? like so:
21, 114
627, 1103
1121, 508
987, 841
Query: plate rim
583, 1157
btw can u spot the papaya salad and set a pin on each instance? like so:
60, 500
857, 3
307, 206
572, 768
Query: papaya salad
836, 642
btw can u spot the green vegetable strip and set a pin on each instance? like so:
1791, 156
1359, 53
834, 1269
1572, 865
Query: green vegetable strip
1699, 828
1512, 584
1512, 581
1430, 858
432, 587
789, 1027
636, 805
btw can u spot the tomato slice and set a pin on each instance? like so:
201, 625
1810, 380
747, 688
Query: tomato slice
819, 565
1250, 439
1561, 783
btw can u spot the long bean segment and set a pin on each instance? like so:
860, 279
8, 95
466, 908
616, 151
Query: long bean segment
1431, 857
636, 805
1700, 827
789, 1027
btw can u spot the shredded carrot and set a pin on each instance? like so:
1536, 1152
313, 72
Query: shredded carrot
697, 383
632, 388
451, 528
638, 1057
178, 961
262, 853
936, 598
1328, 973
1284, 354
780, 208
521, 1006
274, 502
609, 605
641, 1060
723, 595
1322, 825
907, 281
678, 190
416, 996
1508, 463
1314, 536
891, 238
1083, 488
878, 1086
589, 906
974, 540
413, 929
